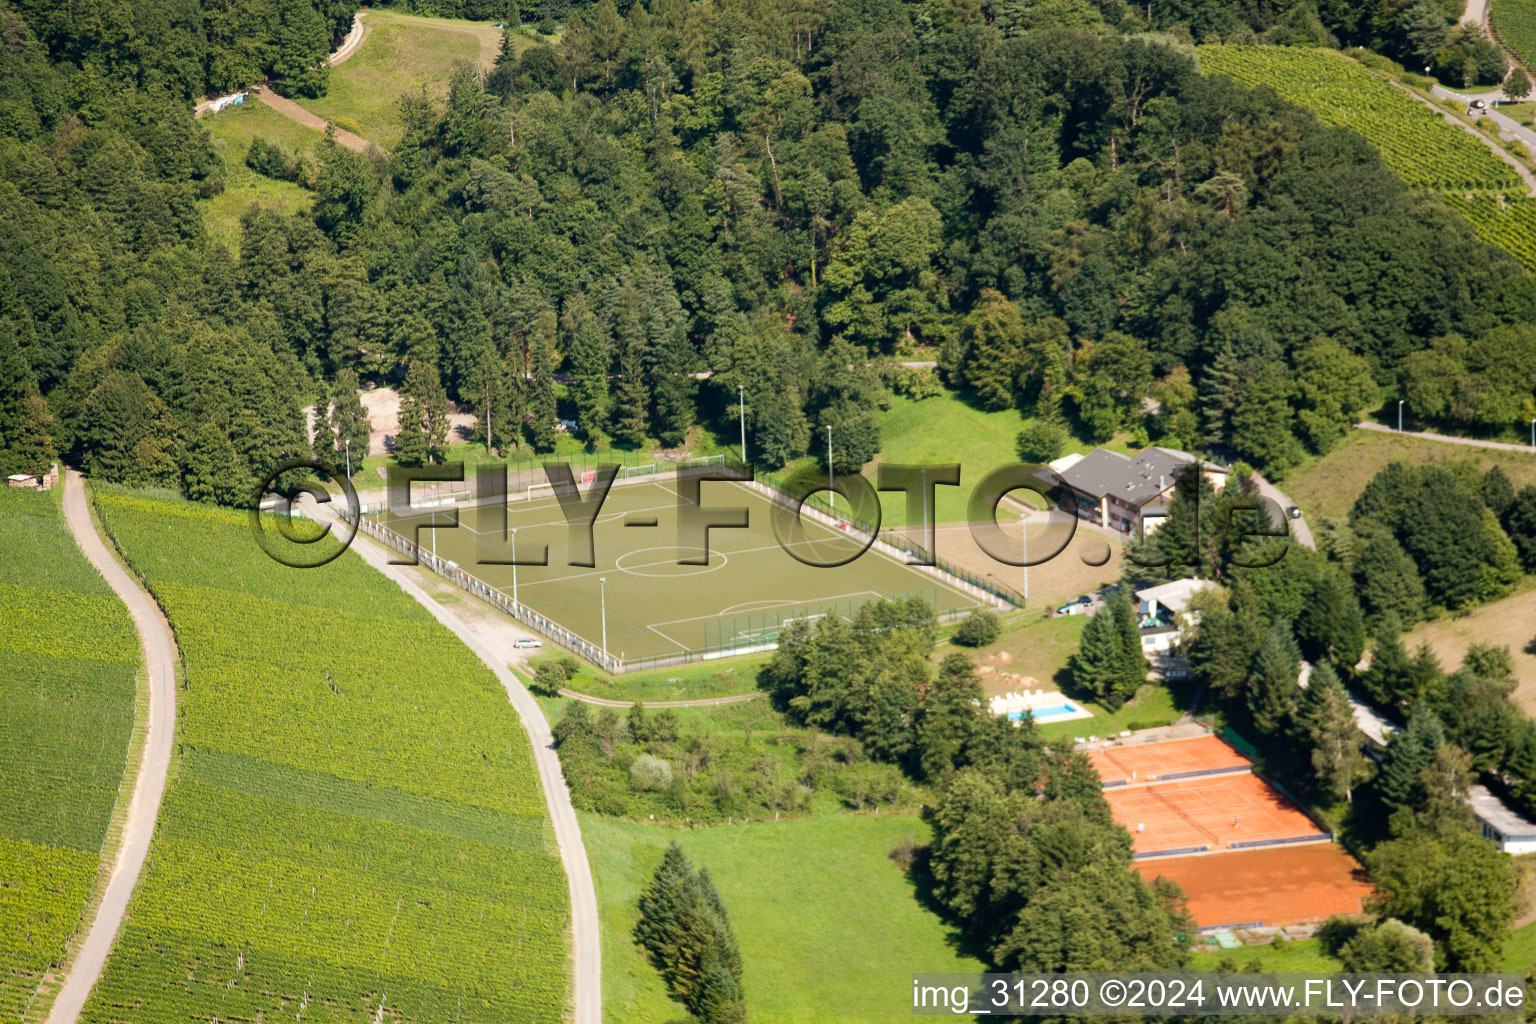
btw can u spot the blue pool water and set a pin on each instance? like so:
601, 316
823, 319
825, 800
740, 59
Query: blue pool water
1047, 714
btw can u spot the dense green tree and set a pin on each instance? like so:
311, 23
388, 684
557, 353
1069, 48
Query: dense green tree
348, 424
1520, 521
1386, 579
1272, 692
1497, 492
543, 417
1105, 663
1409, 754
993, 337
1111, 379
1327, 721
423, 433
1456, 886
1390, 947
978, 628
589, 361
212, 470
1332, 386
1331, 624
1500, 571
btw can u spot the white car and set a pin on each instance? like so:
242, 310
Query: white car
527, 641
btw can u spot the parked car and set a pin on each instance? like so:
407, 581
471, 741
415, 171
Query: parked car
1293, 512
527, 641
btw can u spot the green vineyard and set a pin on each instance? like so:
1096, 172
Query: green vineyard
354, 830
68, 660
1515, 23
1509, 224
1416, 142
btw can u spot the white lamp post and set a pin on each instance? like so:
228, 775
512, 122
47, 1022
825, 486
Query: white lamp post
349, 458
603, 584
831, 484
741, 398
1399, 415
1533, 433
1024, 536
516, 603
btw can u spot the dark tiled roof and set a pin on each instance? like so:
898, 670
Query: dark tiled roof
1134, 481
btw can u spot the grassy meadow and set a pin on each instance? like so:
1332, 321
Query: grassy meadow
829, 927
232, 130
402, 54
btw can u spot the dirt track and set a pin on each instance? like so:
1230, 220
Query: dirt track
294, 112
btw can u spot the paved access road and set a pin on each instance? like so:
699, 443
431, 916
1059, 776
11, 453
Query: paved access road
149, 785
1470, 442
1299, 528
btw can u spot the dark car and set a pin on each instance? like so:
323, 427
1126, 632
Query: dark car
1478, 105
1293, 512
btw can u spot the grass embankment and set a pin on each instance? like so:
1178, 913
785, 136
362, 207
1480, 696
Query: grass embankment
829, 927
353, 821
1329, 485
1508, 622
725, 677
402, 55
232, 130
947, 428
69, 657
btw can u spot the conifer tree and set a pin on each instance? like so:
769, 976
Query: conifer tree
662, 905
589, 358
543, 416
1409, 754
1328, 722
994, 340
423, 417
212, 471
349, 420
1498, 493
629, 422
684, 927
1388, 678
1133, 659
1099, 664
1272, 690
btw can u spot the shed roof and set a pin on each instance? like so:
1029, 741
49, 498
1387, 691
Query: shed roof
1490, 810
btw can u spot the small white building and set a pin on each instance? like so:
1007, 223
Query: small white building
1512, 831
1174, 597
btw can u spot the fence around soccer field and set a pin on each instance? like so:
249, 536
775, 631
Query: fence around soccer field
760, 632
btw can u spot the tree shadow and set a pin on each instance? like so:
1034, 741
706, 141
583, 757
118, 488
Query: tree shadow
919, 875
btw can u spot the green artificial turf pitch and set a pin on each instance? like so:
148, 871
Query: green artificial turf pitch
749, 589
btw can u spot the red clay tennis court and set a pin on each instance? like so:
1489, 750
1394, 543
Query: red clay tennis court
1144, 762
1213, 813
1276, 886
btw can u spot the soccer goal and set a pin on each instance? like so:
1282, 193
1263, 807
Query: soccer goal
544, 490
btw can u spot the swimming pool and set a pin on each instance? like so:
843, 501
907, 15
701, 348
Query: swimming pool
1054, 712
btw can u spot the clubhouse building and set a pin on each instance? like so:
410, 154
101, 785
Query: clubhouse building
1117, 491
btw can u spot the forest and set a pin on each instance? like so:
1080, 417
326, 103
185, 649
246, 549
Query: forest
679, 198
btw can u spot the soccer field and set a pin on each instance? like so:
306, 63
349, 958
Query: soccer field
750, 589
